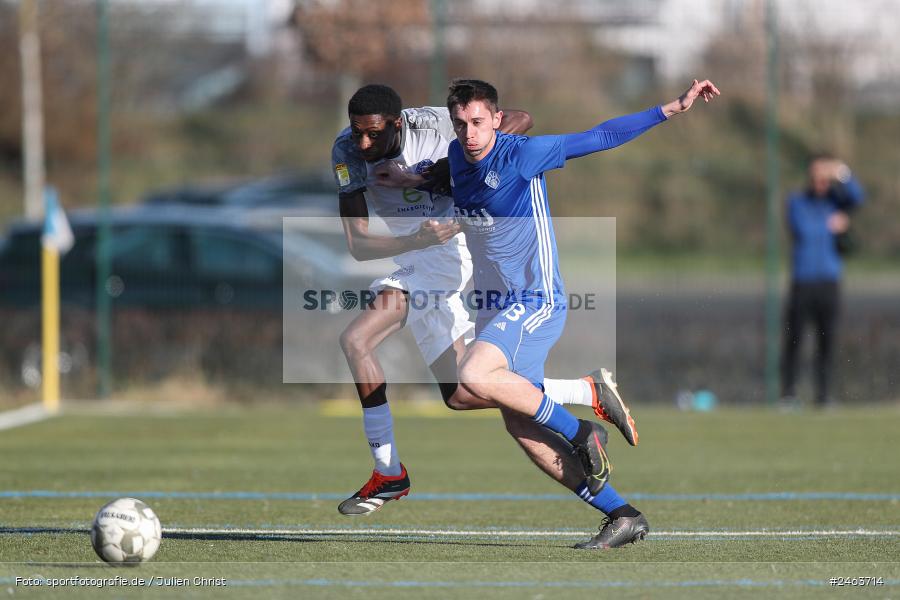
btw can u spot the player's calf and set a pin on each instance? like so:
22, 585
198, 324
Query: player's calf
590, 447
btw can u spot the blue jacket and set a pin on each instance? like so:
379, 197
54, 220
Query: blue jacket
815, 256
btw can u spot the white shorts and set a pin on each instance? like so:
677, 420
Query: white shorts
434, 284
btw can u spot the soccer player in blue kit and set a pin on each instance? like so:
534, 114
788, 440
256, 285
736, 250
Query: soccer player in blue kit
501, 201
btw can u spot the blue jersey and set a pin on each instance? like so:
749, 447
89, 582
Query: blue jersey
501, 202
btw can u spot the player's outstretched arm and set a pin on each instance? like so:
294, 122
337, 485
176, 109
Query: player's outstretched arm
699, 89
620, 130
542, 153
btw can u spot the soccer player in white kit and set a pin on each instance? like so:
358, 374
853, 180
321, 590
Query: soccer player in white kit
386, 147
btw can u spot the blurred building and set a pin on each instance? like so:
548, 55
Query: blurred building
667, 37
673, 34
226, 35
254, 22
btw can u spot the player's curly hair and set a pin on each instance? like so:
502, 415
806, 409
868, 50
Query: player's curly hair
375, 99
463, 91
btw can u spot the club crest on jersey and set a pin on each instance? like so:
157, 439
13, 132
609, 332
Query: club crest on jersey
492, 180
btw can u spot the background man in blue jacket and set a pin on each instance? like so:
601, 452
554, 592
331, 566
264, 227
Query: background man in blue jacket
818, 219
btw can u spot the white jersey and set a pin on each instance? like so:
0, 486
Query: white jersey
426, 135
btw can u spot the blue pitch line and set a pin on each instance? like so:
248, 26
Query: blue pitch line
752, 497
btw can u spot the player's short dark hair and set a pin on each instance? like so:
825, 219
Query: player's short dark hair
463, 91
821, 155
375, 99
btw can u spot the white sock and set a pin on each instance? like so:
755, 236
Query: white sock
569, 391
379, 427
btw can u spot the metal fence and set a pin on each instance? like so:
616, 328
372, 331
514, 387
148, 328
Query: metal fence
205, 94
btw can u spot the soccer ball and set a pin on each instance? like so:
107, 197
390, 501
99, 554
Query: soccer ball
126, 531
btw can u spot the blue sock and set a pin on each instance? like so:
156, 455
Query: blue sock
607, 500
556, 418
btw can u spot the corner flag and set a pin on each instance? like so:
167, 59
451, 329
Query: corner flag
57, 233
56, 239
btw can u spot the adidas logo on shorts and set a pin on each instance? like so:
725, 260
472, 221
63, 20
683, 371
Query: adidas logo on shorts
501, 325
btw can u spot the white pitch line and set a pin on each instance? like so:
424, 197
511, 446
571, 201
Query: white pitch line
535, 533
30, 413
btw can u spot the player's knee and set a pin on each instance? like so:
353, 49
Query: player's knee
353, 343
475, 378
469, 372
471, 377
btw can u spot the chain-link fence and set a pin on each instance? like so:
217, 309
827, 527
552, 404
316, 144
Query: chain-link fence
210, 99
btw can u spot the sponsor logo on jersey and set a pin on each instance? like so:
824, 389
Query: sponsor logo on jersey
412, 195
492, 180
423, 210
473, 218
343, 174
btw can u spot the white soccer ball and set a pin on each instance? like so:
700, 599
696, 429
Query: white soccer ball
126, 531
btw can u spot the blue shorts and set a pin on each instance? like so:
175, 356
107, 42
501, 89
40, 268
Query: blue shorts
525, 334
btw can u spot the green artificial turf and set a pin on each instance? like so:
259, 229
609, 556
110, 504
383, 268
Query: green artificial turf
742, 503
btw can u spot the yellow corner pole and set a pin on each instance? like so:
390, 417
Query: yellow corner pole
50, 327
